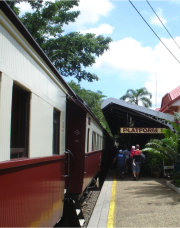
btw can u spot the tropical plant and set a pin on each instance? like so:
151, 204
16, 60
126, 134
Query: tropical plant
169, 146
138, 96
166, 146
154, 163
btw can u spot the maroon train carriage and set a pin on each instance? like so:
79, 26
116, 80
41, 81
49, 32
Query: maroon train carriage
85, 140
84, 143
32, 192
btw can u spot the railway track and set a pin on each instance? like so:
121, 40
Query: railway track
89, 204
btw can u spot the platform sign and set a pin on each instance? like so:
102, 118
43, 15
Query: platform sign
141, 130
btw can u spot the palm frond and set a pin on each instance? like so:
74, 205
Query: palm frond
134, 96
163, 147
146, 102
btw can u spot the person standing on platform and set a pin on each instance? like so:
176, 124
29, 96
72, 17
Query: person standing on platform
120, 163
128, 162
131, 155
132, 151
136, 163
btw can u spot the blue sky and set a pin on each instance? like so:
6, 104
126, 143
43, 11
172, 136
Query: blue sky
136, 58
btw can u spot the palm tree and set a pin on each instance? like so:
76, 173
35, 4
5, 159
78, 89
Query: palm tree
134, 96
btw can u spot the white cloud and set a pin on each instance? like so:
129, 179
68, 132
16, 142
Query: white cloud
102, 29
128, 55
92, 10
166, 72
24, 7
156, 21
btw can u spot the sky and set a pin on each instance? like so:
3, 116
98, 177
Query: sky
136, 58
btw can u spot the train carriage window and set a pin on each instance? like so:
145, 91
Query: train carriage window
93, 141
20, 122
88, 140
98, 142
56, 131
101, 139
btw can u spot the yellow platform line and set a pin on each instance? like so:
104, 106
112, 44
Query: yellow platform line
110, 221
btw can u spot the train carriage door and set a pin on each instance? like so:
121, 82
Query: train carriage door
20, 122
75, 142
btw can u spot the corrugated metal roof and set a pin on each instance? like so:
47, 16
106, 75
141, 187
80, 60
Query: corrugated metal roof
170, 98
119, 113
138, 108
175, 93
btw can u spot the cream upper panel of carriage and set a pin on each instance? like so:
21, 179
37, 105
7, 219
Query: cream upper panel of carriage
93, 125
20, 62
93, 135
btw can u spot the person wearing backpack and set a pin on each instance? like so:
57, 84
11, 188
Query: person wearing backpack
136, 162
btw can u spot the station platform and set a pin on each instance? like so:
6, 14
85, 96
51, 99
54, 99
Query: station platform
148, 202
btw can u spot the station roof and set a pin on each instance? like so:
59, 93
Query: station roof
169, 99
119, 113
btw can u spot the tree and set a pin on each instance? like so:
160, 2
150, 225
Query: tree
70, 53
93, 100
34, 5
138, 95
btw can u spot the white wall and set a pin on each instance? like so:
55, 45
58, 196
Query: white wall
5, 116
41, 127
22, 64
177, 103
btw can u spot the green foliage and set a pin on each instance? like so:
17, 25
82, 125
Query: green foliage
74, 51
70, 53
46, 22
134, 96
164, 146
14, 5
169, 146
154, 161
93, 100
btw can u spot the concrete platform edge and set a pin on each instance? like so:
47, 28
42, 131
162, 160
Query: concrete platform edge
100, 213
173, 186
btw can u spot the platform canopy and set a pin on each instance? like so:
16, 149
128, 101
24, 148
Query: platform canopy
120, 114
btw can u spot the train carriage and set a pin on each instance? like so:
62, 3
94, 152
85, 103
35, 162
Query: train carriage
93, 150
85, 140
42, 123
32, 129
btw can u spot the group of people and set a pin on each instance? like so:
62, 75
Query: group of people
126, 160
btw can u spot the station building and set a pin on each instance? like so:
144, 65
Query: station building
132, 124
171, 102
